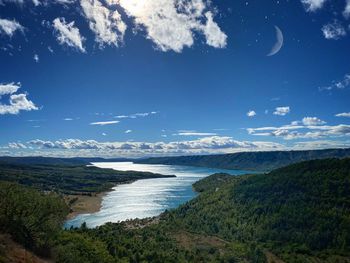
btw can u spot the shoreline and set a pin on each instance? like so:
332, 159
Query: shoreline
84, 204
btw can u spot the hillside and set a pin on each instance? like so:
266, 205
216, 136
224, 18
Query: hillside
70, 178
254, 161
295, 214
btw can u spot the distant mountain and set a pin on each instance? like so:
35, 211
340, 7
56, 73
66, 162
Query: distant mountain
39, 160
254, 161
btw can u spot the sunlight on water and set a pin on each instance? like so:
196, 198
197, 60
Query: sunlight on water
146, 198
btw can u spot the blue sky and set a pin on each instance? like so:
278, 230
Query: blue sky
136, 78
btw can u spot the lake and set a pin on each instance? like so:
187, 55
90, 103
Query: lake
149, 197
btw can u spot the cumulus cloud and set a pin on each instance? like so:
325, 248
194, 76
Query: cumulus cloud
212, 144
68, 34
333, 30
9, 27
310, 128
251, 113
17, 145
343, 114
103, 123
17, 102
282, 111
312, 121
313, 5
128, 131
171, 24
342, 84
9, 88
105, 23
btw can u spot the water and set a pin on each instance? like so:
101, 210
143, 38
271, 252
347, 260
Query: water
149, 197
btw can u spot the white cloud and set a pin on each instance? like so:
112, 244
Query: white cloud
105, 23
9, 27
68, 119
342, 84
194, 133
17, 103
9, 88
136, 115
128, 131
346, 12
17, 145
333, 30
213, 34
103, 123
312, 128
324, 144
313, 5
343, 114
68, 34
312, 121
214, 144
282, 111
36, 58
251, 113
171, 24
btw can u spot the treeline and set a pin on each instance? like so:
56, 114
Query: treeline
253, 161
69, 179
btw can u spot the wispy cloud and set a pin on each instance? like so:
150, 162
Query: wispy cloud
308, 128
9, 27
343, 114
333, 30
136, 115
68, 34
282, 111
341, 84
128, 131
194, 133
103, 123
313, 5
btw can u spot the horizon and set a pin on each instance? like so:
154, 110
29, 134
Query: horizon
131, 79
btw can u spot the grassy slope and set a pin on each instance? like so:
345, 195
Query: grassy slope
255, 161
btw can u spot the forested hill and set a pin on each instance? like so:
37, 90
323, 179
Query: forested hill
296, 214
301, 213
254, 161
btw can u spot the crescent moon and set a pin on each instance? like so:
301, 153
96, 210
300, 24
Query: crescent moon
279, 42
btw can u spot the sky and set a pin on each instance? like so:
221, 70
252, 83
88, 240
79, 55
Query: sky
135, 78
